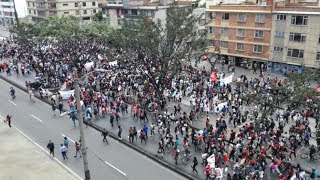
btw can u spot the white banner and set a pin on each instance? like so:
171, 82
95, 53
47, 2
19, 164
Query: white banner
88, 65
227, 80
113, 63
66, 94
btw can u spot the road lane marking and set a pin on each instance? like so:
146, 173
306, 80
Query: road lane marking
151, 161
124, 174
68, 138
12, 103
36, 118
66, 167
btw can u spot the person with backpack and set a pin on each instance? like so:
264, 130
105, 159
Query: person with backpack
78, 151
143, 136
9, 120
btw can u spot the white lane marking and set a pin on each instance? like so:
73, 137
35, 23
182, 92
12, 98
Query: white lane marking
68, 138
12, 103
124, 174
150, 160
72, 172
36, 118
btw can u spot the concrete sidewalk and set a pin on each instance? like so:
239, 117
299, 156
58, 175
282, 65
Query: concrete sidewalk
20, 159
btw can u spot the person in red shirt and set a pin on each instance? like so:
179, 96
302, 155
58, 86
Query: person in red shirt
207, 171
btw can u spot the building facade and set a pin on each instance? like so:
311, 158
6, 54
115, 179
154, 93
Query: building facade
40, 9
7, 17
240, 33
280, 36
295, 38
115, 11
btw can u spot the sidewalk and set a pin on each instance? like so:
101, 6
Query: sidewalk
22, 160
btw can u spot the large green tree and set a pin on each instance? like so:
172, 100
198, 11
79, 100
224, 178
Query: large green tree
160, 48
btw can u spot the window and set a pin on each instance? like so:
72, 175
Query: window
210, 30
34, 12
29, 11
281, 17
65, 12
93, 3
241, 17
28, 4
297, 37
223, 44
260, 18
240, 32
52, 13
279, 34
225, 16
295, 53
318, 56
240, 47
33, 5
258, 34
76, 5
224, 31
5, 6
277, 49
52, 5
257, 48
94, 11
299, 20
319, 40
65, 4
84, 11
211, 15
84, 4
77, 13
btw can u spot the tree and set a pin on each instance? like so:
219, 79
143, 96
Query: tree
159, 48
98, 16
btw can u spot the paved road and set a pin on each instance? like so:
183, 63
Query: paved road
114, 161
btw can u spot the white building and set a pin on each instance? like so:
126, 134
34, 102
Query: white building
7, 17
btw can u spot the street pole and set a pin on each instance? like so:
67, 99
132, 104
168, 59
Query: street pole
15, 12
80, 119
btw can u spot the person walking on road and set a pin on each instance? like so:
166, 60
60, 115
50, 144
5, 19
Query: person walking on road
119, 132
53, 106
60, 107
50, 146
63, 150
78, 151
195, 163
9, 120
104, 134
66, 142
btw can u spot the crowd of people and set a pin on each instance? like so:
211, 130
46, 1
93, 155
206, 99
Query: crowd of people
226, 129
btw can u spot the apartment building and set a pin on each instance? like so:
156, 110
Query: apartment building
7, 17
295, 38
115, 11
240, 33
84, 9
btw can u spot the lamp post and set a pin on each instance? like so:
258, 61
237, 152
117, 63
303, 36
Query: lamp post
80, 119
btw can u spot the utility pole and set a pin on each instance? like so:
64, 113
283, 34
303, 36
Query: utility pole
80, 119
15, 12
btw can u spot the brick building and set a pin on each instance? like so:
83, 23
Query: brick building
265, 33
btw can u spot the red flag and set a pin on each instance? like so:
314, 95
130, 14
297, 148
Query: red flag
214, 77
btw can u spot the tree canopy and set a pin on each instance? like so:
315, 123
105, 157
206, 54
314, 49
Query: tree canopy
159, 49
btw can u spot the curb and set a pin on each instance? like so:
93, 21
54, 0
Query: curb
98, 128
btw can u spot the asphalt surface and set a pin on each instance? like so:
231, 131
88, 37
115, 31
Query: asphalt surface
112, 160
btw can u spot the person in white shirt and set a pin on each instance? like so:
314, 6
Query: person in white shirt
63, 150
